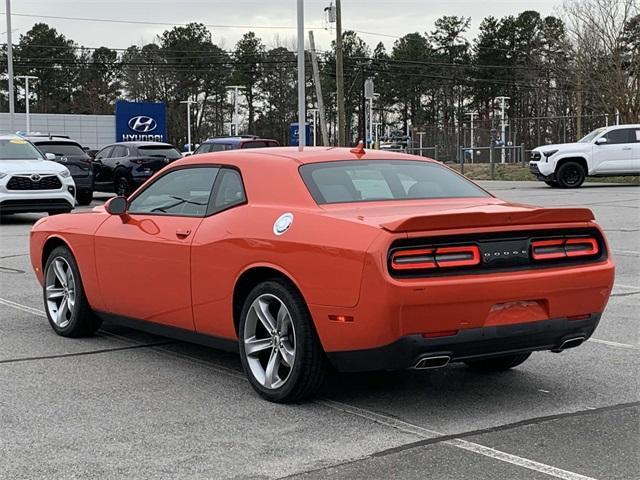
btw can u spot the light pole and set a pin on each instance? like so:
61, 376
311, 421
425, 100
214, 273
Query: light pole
370, 136
313, 112
12, 107
234, 120
504, 125
26, 79
472, 115
302, 127
189, 102
376, 145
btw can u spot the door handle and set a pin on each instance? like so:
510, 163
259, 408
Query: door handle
183, 233
626, 148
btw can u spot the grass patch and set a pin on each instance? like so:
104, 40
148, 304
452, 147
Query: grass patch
518, 173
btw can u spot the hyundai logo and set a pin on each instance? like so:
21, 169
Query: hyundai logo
142, 124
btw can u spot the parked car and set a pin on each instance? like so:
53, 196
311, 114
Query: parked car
123, 167
365, 260
30, 181
232, 143
71, 154
605, 152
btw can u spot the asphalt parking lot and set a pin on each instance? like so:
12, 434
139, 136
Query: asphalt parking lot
124, 404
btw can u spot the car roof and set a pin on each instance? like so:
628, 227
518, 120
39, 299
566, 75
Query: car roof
140, 144
295, 156
50, 138
236, 140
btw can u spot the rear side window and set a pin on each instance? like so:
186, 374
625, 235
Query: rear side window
182, 192
119, 151
259, 144
362, 181
229, 190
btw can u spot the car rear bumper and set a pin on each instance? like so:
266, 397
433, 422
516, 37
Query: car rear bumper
83, 182
474, 343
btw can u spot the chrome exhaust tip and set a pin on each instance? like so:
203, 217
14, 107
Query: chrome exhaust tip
427, 363
570, 343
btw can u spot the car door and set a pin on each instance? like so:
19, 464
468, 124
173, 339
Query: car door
635, 163
616, 155
100, 171
216, 256
143, 257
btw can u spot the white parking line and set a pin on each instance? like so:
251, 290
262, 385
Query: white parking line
614, 344
24, 308
627, 252
456, 442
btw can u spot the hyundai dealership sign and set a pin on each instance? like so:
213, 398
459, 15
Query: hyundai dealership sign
137, 122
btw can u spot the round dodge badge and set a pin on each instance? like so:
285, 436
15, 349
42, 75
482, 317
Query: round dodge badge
283, 223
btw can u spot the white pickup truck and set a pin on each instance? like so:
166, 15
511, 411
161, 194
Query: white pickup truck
605, 152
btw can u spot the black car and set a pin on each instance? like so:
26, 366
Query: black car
70, 154
123, 167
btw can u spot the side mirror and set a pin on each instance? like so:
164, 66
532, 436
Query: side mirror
602, 141
116, 206
49, 156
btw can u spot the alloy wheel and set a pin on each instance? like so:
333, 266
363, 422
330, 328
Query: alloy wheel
269, 341
60, 287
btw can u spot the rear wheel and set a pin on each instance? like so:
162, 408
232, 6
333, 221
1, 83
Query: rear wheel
571, 175
279, 348
497, 364
123, 187
66, 305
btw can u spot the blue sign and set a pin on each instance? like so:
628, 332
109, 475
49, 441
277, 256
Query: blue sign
294, 135
136, 122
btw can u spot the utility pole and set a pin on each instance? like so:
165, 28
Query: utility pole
302, 99
189, 102
339, 77
26, 79
12, 107
313, 112
472, 115
316, 80
234, 120
504, 126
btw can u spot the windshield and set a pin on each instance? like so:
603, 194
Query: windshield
362, 181
18, 149
160, 151
61, 149
592, 135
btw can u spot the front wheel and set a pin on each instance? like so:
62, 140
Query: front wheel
497, 364
66, 305
571, 175
84, 197
279, 348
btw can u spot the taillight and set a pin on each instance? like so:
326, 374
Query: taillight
138, 161
440, 257
563, 248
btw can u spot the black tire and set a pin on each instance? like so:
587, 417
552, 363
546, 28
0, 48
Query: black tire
552, 183
571, 175
497, 364
122, 186
82, 321
310, 364
84, 197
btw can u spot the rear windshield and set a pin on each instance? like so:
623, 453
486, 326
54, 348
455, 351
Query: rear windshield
160, 151
62, 149
362, 181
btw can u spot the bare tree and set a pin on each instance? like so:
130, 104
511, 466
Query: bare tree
604, 36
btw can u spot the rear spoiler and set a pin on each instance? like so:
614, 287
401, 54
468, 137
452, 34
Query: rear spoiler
470, 219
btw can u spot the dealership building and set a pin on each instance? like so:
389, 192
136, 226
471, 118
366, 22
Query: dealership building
133, 121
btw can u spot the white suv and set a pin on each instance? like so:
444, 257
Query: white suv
30, 182
605, 152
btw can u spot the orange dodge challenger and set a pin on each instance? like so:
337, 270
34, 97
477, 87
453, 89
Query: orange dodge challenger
359, 259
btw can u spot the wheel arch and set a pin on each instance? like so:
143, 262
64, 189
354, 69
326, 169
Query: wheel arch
252, 276
579, 159
50, 245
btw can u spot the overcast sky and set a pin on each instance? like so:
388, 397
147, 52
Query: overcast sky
382, 18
